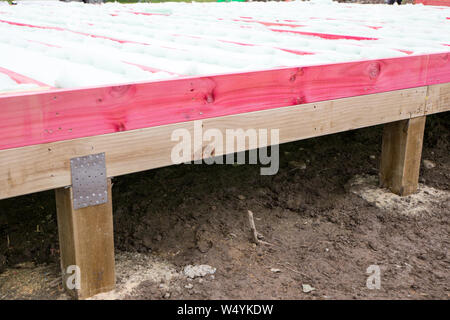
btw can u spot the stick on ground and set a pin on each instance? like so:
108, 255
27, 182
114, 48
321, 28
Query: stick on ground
252, 227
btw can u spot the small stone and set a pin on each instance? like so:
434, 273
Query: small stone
372, 157
372, 245
307, 288
275, 270
297, 165
189, 286
241, 197
198, 271
167, 295
428, 164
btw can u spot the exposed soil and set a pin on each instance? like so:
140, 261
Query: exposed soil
326, 224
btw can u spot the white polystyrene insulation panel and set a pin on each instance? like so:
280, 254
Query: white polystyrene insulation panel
83, 45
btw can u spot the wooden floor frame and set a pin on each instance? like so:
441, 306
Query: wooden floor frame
46, 166
86, 236
42, 129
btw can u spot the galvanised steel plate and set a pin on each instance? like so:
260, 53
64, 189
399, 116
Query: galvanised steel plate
89, 181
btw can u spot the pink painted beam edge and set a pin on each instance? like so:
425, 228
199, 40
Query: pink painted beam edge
433, 2
56, 115
438, 68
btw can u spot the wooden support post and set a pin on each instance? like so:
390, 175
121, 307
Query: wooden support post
401, 154
86, 241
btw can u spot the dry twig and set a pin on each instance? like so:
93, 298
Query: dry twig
255, 235
252, 227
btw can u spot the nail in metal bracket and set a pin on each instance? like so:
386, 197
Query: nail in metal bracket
89, 181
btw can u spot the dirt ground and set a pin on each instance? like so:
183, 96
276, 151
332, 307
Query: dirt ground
324, 217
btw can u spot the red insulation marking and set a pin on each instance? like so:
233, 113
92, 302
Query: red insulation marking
294, 51
34, 118
374, 27
405, 51
298, 52
325, 35
269, 24
238, 43
148, 14
21, 79
150, 69
107, 38
332, 19
63, 29
81, 33
145, 68
225, 41
30, 25
45, 44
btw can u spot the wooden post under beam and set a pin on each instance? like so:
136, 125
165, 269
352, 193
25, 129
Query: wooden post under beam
401, 154
86, 240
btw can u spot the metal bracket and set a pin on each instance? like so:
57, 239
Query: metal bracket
89, 180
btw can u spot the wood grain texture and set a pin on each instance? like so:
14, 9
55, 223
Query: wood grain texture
86, 240
438, 98
47, 166
401, 154
57, 115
